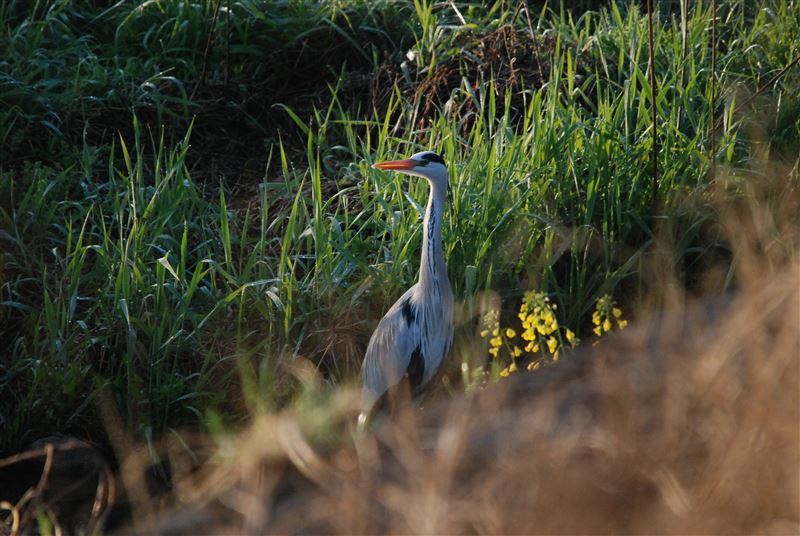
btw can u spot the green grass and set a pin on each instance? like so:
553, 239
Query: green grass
136, 268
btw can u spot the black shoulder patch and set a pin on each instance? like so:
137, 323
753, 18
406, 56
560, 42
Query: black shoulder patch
433, 157
409, 312
416, 369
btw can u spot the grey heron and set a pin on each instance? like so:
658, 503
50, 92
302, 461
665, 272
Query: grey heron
413, 338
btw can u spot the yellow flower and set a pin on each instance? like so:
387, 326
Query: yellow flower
552, 344
598, 331
570, 336
529, 334
533, 366
494, 351
532, 347
510, 333
496, 341
508, 370
495, 332
605, 311
485, 333
555, 355
517, 351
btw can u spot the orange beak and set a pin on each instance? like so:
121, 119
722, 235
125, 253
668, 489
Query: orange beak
396, 164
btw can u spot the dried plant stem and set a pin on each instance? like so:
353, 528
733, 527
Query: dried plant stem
712, 134
227, 43
15, 517
768, 84
207, 50
684, 27
654, 202
684, 34
535, 41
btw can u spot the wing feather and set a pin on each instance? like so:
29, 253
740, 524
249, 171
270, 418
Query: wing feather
389, 351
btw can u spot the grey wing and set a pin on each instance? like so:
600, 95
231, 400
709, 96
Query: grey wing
389, 351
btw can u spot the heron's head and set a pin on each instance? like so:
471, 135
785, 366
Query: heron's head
423, 164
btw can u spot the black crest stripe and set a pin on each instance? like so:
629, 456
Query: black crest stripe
433, 157
431, 243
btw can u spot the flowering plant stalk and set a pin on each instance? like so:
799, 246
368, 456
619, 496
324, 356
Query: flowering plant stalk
542, 340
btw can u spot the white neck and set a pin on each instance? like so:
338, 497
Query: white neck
432, 266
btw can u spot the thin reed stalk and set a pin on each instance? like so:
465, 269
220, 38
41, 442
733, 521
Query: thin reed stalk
654, 111
713, 133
